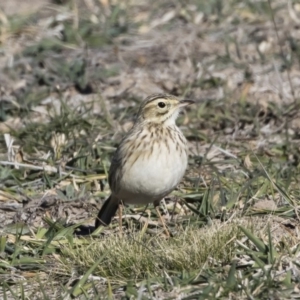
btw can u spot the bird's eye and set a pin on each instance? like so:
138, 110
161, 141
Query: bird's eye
161, 104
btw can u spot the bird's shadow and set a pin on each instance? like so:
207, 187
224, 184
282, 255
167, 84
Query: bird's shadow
83, 230
75, 228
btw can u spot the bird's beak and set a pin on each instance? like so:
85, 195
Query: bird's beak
184, 103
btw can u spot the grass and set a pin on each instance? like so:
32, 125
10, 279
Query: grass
213, 261
71, 92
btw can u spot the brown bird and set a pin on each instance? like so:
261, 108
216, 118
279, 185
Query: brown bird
150, 160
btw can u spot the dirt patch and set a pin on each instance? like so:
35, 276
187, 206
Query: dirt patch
15, 7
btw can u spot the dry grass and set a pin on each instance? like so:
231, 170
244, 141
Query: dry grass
189, 263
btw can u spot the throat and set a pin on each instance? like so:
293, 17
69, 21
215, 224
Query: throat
169, 122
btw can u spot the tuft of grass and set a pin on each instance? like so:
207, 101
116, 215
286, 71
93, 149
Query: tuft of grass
138, 255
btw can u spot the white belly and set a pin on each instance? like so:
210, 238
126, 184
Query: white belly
152, 177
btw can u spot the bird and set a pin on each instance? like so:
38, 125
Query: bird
150, 160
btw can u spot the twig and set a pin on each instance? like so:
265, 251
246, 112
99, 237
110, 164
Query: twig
42, 168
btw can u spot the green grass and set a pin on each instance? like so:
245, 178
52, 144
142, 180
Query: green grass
233, 220
214, 261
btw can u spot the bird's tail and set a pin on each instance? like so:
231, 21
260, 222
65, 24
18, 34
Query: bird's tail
107, 212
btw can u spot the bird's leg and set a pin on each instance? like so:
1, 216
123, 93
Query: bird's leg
120, 210
174, 207
143, 212
164, 207
156, 205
